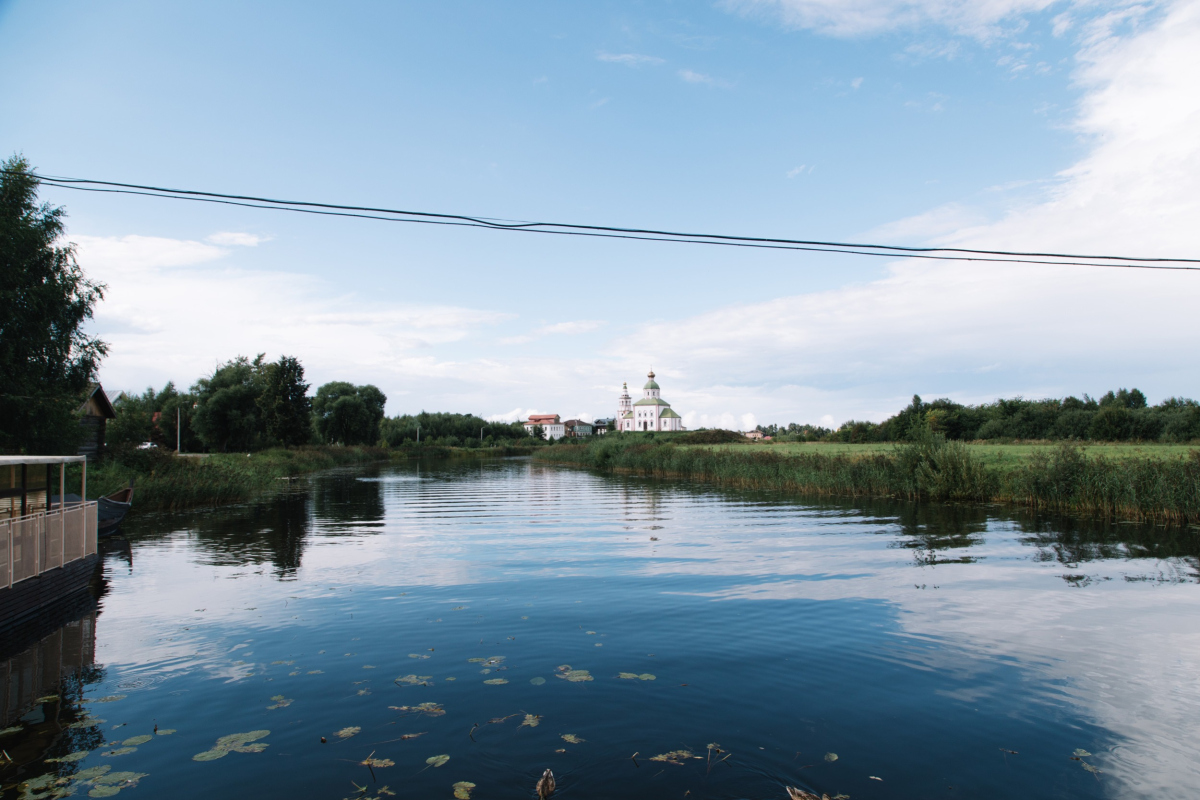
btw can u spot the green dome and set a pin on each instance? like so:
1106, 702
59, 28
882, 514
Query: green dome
650, 384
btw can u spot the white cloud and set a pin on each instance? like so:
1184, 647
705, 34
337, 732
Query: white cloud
630, 59
557, 329
692, 76
236, 239
1010, 328
170, 313
863, 17
791, 173
857, 82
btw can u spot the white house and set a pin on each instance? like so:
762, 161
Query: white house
551, 426
651, 413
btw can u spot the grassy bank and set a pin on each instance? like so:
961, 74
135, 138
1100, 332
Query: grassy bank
1063, 478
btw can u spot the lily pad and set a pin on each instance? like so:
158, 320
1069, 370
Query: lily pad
165, 731
674, 757
92, 773
437, 761
462, 790
1081, 753
573, 675
346, 733
377, 762
414, 680
629, 676
831, 757
280, 702
572, 738
134, 741
646, 676
234, 743
104, 791
120, 751
537, 681
428, 709
496, 681
71, 758
531, 720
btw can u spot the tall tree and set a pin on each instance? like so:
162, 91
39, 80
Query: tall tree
348, 414
286, 409
47, 360
227, 416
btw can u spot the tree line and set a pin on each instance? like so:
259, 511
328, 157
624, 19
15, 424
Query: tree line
248, 405
1117, 416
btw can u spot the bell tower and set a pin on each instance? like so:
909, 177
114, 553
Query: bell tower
624, 406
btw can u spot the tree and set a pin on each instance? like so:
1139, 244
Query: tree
47, 361
348, 414
286, 409
227, 415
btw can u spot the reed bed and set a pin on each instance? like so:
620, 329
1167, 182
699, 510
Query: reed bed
1162, 490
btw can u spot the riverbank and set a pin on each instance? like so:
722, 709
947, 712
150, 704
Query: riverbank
1062, 478
164, 481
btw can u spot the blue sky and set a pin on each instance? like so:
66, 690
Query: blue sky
1014, 123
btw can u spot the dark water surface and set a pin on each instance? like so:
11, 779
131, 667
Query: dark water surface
946, 651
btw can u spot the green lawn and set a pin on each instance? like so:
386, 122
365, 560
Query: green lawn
992, 455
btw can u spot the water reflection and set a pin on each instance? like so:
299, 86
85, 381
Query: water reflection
920, 643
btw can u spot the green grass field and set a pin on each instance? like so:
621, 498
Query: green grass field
997, 456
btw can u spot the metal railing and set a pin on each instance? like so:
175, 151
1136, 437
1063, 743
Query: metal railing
46, 540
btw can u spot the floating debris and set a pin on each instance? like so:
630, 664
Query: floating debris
1081, 753
462, 790
412, 735
315, 672
286, 663
531, 720
50, 698
437, 761
496, 681
546, 785
363, 692
831, 757
674, 757
234, 743
346, 733
134, 741
71, 758
165, 731
112, 698
418, 655
18, 728
1092, 769
501, 720
537, 681
872, 777
460, 608
377, 762
280, 702
800, 794
572, 738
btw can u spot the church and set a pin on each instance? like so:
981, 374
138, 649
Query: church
651, 413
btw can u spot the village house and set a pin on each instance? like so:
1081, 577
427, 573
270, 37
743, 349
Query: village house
577, 428
552, 427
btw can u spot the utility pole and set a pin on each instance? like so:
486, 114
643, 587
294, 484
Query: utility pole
178, 433
418, 433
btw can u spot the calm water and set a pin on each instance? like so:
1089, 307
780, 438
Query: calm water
946, 651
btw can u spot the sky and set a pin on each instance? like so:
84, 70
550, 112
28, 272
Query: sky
1012, 124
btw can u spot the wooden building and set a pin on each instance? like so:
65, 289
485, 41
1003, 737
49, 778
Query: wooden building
94, 414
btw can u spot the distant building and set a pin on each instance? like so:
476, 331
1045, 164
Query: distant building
94, 415
551, 426
754, 435
651, 413
602, 426
577, 428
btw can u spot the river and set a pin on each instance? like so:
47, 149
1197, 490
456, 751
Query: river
418, 628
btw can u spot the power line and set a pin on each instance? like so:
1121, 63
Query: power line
601, 231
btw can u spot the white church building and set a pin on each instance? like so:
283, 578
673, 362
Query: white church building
651, 413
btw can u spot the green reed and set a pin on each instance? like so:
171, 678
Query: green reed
930, 468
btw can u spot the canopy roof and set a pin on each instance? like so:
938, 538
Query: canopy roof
652, 401
7, 461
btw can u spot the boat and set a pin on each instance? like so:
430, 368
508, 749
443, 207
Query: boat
110, 509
